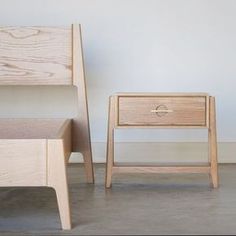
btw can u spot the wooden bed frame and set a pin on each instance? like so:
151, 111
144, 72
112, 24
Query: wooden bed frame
34, 152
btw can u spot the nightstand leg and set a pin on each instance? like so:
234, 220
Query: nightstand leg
110, 142
213, 144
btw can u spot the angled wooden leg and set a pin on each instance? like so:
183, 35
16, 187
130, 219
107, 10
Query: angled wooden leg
110, 142
81, 143
213, 144
88, 164
57, 179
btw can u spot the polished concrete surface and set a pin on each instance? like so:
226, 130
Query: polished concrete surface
137, 204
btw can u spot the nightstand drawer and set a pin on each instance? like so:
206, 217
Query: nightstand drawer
158, 111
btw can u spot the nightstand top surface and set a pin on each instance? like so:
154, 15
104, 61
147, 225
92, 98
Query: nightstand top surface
162, 94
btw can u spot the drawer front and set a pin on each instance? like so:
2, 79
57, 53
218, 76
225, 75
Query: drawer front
166, 111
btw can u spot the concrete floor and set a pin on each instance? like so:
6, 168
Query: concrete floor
137, 204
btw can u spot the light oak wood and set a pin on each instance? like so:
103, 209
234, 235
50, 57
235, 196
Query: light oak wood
57, 178
31, 128
180, 111
138, 110
161, 169
23, 149
49, 56
81, 128
160, 164
161, 127
23, 162
34, 152
110, 141
138, 94
35, 56
64, 133
213, 145
207, 111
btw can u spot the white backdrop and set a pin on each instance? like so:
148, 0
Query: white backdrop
136, 45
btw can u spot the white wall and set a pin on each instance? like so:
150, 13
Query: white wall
137, 45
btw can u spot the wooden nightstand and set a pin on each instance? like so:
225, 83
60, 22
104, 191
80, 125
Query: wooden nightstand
162, 110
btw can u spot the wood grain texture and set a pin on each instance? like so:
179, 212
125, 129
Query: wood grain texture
49, 56
35, 56
80, 125
110, 141
213, 144
207, 111
161, 169
160, 127
182, 111
43, 56
152, 94
31, 128
65, 135
185, 110
23, 162
57, 178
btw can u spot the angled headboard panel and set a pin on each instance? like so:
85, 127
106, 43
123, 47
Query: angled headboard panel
35, 56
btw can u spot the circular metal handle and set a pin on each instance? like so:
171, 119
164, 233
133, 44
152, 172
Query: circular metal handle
161, 110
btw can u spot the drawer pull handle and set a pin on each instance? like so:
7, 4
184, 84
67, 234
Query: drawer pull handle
157, 111
161, 110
